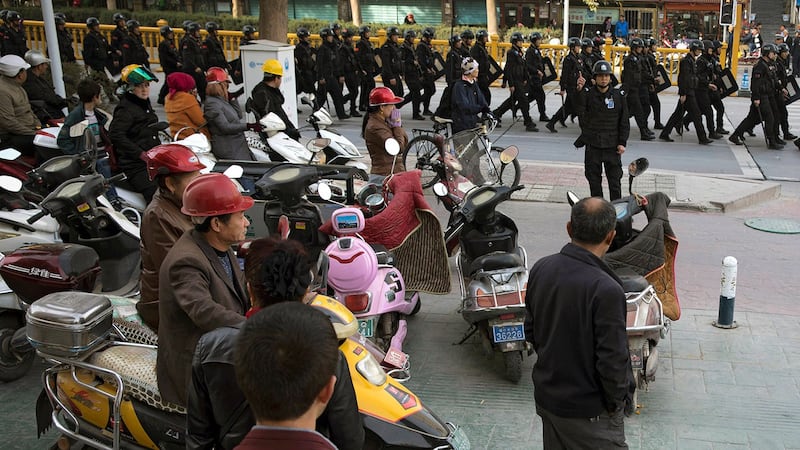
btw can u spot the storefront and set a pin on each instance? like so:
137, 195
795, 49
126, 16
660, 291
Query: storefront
696, 20
529, 14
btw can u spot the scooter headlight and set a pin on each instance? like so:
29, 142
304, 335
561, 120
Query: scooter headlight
371, 370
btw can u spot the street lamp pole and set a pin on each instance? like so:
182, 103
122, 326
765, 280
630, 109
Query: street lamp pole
565, 35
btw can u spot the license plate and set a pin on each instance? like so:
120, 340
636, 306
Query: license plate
366, 327
508, 333
637, 359
459, 440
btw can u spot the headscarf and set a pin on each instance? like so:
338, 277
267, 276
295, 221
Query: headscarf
180, 82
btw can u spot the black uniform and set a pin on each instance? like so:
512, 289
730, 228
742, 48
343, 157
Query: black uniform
412, 74
516, 74
762, 88
570, 71
365, 55
655, 103
117, 37
97, 56
535, 64
648, 80
604, 124
426, 58
193, 63
452, 74
631, 83
65, 46
352, 74
14, 42
481, 56
169, 58
133, 51
716, 97
705, 76
329, 70
687, 83
213, 53
267, 99
305, 71
782, 119
392, 66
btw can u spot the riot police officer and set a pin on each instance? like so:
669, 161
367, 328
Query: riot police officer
516, 74
535, 64
213, 53
687, 83
605, 129
392, 62
304, 66
365, 55
587, 58
705, 84
248, 35
467, 36
570, 72
426, 57
479, 53
655, 103
784, 72
133, 51
412, 74
97, 57
330, 73
69, 64
452, 74
631, 84
169, 58
352, 71
763, 106
118, 36
192, 57
14, 42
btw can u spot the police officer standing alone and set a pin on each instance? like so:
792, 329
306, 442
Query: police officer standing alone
365, 55
535, 65
605, 128
426, 57
762, 95
687, 83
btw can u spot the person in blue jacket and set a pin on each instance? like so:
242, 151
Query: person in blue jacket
621, 29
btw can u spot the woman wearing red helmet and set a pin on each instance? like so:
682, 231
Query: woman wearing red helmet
382, 122
224, 118
172, 167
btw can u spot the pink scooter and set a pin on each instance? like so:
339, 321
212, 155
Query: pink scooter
370, 286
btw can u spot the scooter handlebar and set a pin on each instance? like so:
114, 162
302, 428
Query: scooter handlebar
37, 216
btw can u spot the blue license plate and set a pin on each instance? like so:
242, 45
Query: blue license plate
508, 333
366, 327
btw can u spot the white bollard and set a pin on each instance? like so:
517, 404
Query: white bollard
727, 294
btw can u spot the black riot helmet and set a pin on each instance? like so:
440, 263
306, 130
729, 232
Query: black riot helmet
302, 32
637, 43
165, 30
696, 45
482, 35
249, 29
708, 45
212, 27
467, 35
117, 17
193, 27
392, 31
410, 34
587, 43
534, 36
602, 68
517, 37
769, 48
454, 39
429, 33
92, 22
364, 30
573, 42
347, 33
783, 47
131, 24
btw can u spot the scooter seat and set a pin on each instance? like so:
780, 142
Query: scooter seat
137, 367
385, 257
632, 281
495, 261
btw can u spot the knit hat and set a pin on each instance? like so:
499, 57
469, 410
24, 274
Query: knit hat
180, 82
11, 65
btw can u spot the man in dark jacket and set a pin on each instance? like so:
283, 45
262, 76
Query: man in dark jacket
570, 72
214, 403
763, 107
516, 74
535, 64
605, 129
330, 73
392, 62
14, 42
133, 51
44, 100
169, 58
97, 57
412, 74
576, 306
73, 72
267, 97
192, 57
426, 56
632, 83
213, 54
118, 36
687, 83
365, 55
352, 71
479, 53
304, 55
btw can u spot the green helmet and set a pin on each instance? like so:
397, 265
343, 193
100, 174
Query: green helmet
135, 74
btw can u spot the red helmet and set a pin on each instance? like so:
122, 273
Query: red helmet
213, 194
166, 159
383, 96
217, 75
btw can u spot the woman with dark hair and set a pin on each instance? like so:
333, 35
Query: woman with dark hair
219, 417
383, 122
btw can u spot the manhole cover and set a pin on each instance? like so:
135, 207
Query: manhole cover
783, 226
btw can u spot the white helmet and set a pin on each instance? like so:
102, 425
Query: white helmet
11, 65
35, 58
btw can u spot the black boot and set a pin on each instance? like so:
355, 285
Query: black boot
721, 130
658, 126
736, 139
354, 113
773, 145
797, 143
646, 135
788, 136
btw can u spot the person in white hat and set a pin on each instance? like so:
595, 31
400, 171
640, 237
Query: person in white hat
46, 104
19, 124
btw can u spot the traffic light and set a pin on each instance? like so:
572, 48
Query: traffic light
727, 12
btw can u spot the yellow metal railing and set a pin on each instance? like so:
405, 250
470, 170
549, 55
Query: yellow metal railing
669, 57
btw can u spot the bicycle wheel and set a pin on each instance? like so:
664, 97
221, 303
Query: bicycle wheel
495, 172
420, 153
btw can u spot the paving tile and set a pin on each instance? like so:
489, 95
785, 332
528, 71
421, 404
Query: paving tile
688, 381
726, 435
657, 436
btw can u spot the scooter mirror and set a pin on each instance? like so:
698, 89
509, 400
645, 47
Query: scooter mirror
509, 154
572, 198
392, 146
10, 184
234, 172
440, 189
9, 154
316, 145
324, 191
638, 167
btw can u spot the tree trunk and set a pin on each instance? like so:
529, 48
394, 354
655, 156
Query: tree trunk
355, 7
273, 22
345, 14
111, 5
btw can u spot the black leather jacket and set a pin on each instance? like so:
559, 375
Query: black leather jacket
215, 402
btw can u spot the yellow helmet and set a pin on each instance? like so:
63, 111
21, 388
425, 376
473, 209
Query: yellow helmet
272, 66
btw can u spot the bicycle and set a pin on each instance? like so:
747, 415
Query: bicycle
427, 150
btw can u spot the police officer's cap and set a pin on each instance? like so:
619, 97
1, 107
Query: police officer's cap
573, 42
696, 45
602, 68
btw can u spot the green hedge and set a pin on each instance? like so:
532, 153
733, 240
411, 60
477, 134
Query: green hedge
227, 22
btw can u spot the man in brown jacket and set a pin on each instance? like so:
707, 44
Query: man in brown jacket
201, 286
172, 167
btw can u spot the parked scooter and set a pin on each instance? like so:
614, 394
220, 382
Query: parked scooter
102, 391
340, 150
492, 273
645, 262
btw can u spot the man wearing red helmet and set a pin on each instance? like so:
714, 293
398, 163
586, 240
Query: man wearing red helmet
172, 167
200, 284
382, 122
